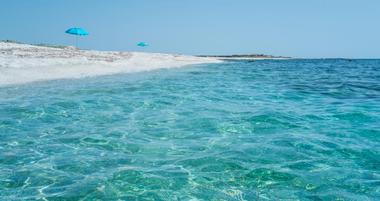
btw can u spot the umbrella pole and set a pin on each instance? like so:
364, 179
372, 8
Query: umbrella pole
76, 41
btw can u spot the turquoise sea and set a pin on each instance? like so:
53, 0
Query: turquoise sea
239, 130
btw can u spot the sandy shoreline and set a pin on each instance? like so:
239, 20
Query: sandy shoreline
23, 63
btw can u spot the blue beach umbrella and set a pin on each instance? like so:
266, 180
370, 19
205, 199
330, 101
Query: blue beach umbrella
77, 32
142, 44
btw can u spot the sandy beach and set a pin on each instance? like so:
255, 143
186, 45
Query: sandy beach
24, 63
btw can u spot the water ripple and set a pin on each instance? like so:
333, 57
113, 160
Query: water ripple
263, 130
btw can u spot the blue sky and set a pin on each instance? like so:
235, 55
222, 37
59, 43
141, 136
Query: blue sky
298, 28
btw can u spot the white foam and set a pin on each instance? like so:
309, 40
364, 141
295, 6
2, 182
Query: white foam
22, 63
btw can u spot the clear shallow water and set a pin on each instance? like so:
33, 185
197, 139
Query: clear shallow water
264, 130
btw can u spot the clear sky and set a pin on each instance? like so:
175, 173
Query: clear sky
298, 28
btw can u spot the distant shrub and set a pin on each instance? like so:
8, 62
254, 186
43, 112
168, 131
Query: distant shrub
11, 41
38, 44
50, 45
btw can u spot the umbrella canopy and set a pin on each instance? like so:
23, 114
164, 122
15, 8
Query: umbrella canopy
142, 44
77, 31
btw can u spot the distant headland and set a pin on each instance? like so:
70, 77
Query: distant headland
244, 57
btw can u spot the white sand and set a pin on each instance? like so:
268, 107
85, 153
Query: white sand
22, 63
